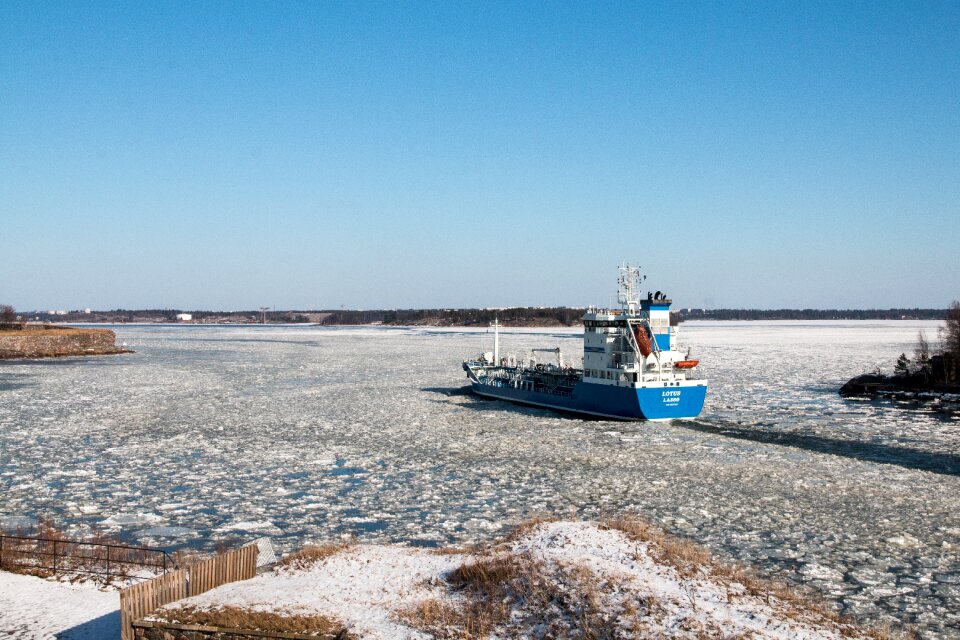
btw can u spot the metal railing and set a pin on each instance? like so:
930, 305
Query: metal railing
59, 555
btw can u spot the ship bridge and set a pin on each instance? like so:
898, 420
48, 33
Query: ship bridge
611, 351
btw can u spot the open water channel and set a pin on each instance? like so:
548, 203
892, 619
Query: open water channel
308, 433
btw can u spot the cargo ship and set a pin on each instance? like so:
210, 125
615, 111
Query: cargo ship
632, 368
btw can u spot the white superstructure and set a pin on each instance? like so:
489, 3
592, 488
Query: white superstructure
633, 346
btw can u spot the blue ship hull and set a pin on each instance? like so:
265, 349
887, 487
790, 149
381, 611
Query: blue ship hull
607, 401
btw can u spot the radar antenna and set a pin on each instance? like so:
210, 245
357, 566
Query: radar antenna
628, 289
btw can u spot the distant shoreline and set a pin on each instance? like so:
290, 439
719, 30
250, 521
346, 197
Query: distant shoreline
503, 325
540, 317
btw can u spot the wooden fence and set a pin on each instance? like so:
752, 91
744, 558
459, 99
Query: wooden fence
146, 597
143, 599
239, 564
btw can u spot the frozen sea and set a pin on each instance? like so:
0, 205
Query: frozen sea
311, 433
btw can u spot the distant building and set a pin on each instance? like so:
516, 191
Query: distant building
87, 311
184, 317
57, 312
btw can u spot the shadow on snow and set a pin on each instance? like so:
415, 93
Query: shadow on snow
106, 626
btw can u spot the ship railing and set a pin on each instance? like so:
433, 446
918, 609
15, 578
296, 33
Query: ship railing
557, 389
658, 376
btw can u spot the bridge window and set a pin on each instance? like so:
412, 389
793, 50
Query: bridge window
660, 325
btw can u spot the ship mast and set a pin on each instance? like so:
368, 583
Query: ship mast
496, 341
628, 289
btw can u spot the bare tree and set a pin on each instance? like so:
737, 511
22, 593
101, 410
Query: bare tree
8, 314
921, 353
951, 337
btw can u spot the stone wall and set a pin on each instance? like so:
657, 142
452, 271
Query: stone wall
57, 342
150, 630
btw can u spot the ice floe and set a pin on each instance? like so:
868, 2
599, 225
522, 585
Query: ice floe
312, 433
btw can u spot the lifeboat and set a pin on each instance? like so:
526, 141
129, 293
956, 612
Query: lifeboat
686, 364
643, 340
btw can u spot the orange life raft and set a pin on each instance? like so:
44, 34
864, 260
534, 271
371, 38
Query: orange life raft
643, 340
686, 364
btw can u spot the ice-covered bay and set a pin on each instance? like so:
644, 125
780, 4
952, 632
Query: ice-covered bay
308, 433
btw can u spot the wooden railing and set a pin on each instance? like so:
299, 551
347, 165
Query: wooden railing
143, 599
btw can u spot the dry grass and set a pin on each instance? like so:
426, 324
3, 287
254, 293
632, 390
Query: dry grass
690, 560
187, 557
454, 551
488, 585
687, 558
486, 573
77, 559
238, 618
311, 555
44, 330
508, 594
524, 528
503, 593
791, 601
433, 614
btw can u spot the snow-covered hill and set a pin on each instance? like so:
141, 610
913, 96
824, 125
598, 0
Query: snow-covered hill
549, 579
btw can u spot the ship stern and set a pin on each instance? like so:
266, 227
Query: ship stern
670, 403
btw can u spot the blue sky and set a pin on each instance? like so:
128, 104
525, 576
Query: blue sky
405, 154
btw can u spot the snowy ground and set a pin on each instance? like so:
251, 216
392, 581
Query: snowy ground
310, 434
37, 609
368, 587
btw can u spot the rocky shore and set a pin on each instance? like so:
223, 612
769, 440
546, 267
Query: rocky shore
928, 377
46, 341
936, 380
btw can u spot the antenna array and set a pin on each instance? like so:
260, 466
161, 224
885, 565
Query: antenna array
628, 286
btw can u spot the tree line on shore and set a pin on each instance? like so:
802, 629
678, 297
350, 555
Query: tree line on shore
517, 316
555, 316
813, 314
